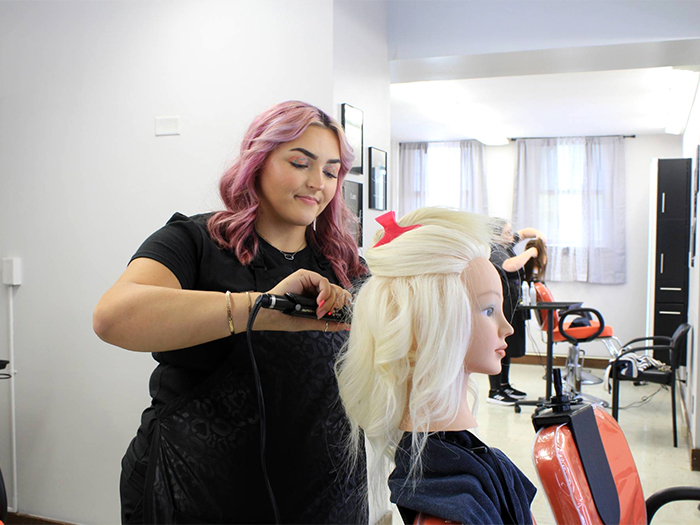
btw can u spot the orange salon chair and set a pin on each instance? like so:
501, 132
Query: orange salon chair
575, 331
586, 468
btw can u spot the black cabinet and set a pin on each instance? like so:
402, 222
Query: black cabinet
672, 253
672, 247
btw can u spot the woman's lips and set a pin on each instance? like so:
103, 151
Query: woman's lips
307, 200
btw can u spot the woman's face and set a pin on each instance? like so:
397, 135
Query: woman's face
300, 178
490, 328
507, 234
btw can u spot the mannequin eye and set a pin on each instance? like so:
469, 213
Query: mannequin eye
488, 312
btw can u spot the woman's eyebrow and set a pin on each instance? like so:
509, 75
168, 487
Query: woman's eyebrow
306, 152
315, 157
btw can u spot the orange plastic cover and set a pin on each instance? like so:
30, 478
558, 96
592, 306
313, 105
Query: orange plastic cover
427, 519
561, 474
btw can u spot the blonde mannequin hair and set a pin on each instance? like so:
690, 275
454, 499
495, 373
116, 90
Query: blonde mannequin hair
410, 332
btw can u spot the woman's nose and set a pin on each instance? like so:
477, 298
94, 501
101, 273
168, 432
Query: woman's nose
315, 179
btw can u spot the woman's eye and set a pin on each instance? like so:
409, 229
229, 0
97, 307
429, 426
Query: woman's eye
331, 174
299, 162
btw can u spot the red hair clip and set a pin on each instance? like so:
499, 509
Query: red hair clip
391, 229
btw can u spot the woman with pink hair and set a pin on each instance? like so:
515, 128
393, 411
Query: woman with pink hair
207, 451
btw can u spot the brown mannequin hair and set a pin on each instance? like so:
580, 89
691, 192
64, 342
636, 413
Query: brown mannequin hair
536, 267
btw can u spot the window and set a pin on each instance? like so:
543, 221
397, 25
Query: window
442, 178
442, 174
573, 190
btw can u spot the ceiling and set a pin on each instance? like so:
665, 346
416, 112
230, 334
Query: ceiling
612, 86
621, 102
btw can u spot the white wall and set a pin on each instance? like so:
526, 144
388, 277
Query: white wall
623, 306
83, 181
691, 140
361, 79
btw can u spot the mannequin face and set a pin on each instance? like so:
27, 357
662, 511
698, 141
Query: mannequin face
490, 328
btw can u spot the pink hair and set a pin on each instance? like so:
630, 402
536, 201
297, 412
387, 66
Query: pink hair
234, 228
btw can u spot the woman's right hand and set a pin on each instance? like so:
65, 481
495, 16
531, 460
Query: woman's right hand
329, 297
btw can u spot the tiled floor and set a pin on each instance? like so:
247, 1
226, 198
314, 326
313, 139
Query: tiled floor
647, 428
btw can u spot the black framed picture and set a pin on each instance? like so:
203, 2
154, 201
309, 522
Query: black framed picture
377, 179
351, 118
694, 216
352, 191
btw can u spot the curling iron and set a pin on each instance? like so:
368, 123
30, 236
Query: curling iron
301, 306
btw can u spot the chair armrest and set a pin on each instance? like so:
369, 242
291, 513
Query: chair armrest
660, 498
637, 349
580, 311
654, 338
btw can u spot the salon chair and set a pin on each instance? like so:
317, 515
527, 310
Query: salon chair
675, 345
576, 326
586, 468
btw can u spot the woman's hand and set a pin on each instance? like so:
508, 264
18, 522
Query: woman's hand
329, 297
532, 233
516, 263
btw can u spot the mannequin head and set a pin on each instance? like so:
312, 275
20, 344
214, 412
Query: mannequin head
414, 325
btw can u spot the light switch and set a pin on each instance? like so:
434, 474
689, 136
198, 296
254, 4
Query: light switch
12, 271
167, 126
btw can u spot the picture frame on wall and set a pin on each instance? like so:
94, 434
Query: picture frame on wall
694, 211
352, 192
351, 119
377, 179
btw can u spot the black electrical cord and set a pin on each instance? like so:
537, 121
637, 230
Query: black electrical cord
261, 406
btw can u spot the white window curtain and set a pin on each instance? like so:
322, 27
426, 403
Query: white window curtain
442, 174
412, 176
573, 190
472, 192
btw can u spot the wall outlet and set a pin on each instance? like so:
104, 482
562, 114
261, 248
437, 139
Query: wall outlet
12, 271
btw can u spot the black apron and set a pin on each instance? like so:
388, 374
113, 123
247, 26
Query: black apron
204, 450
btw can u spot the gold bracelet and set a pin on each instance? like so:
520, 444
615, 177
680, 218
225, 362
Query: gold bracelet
228, 311
250, 304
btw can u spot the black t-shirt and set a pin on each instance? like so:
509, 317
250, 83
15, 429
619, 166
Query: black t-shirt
183, 245
510, 280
